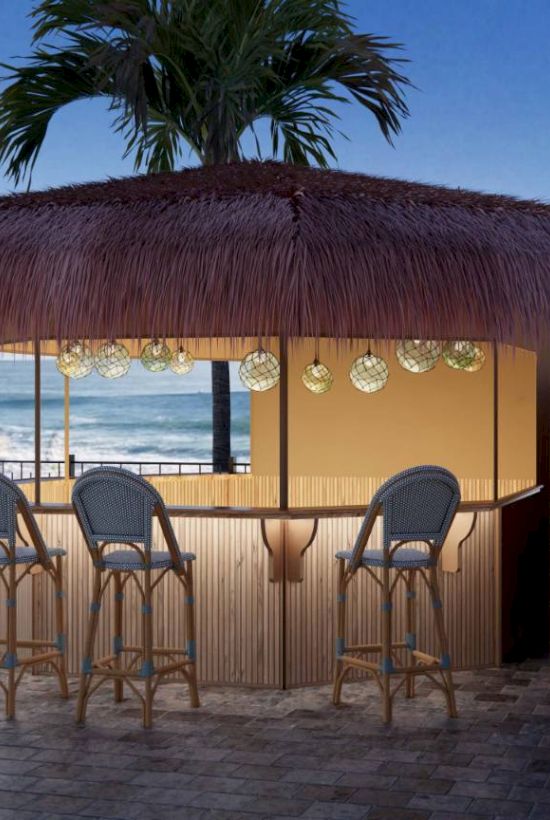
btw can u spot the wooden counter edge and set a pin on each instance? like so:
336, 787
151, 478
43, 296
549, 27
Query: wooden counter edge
295, 512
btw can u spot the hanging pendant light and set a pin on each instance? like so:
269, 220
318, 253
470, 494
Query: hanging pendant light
369, 373
418, 356
260, 370
317, 377
182, 362
112, 360
75, 360
478, 361
459, 355
156, 356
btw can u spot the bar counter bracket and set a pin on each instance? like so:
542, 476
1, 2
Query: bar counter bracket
287, 541
461, 529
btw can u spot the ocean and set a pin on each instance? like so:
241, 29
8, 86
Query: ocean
142, 416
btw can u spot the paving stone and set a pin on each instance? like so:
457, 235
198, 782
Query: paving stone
324, 794
349, 765
57, 803
252, 758
536, 780
83, 773
408, 769
439, 802
152, 813
469, 788
252, 772
15, 752
538, 813
420, 785
20, 814
13, 800
275, 806
118, 810
311, 776
276, 788
462, 773
206, 783
397, 814
222, 800
380, 797
266, 755
171, 780
454, 815
360, 780
335, 811
502, 808
530, 794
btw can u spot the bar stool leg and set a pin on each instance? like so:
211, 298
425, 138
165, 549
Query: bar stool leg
118, 684
191, 642
340, 633
387, 662
147, 668
10, 660
61, 638
86, 672
410, 636
446, 673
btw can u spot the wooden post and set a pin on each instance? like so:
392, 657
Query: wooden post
495, 422
283, 424
283, 492
67, 445
37, 419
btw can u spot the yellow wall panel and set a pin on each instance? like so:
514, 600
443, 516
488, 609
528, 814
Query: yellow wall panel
517, 420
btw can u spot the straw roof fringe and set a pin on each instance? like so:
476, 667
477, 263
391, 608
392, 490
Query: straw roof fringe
264, 249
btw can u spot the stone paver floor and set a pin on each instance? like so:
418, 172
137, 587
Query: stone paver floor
263, 754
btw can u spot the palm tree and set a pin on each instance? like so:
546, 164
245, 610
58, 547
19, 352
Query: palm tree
198, 75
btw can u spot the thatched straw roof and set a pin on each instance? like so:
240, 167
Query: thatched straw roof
265, 249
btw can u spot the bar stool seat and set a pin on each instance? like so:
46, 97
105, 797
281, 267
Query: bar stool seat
402, 558
116, 510
28, 555
417, 507
130, 560
19, 656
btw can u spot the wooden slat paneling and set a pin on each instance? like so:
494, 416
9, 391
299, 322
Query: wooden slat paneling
262, 491
237, 608
469, 598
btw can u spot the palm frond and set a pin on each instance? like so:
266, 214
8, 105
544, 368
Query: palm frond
197, 73
28, 104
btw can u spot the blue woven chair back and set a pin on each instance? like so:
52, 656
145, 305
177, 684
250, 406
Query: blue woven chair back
418, 504
117, 506
12, 500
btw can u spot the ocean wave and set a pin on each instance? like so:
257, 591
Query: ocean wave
105, 427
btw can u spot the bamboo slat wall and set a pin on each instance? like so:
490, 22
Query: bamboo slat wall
239, 612
470, 599
263, 491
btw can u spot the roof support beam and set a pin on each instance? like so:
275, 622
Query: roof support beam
37, 421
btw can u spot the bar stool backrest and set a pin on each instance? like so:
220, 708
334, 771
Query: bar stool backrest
116, 506
12, 501
418, 504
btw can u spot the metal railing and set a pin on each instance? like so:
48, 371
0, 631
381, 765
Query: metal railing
24, 469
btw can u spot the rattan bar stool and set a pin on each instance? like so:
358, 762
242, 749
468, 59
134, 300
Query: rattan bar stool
16, 562
418, 505
116, 507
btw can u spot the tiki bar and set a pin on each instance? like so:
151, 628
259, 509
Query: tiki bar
379, 325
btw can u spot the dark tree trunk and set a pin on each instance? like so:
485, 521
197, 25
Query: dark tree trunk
221, 394
221, 417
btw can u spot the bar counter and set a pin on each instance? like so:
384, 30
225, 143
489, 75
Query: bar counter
266, 589
293, 513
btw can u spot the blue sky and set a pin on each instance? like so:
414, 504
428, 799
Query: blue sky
480, 117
